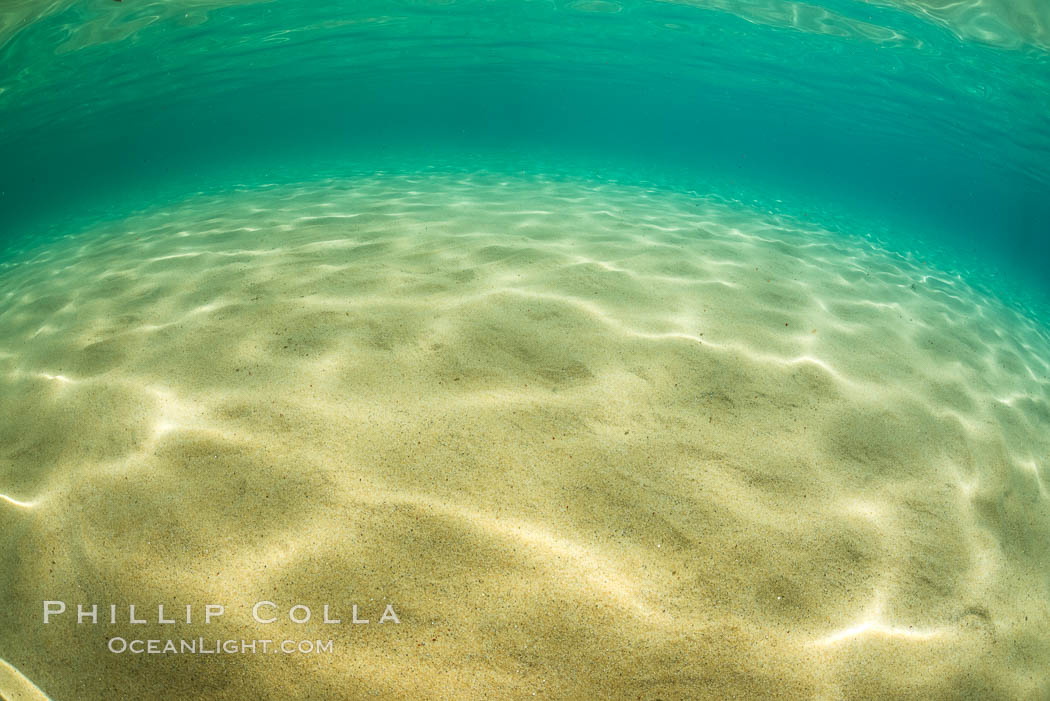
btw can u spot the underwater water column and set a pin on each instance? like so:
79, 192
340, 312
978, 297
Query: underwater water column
442, 349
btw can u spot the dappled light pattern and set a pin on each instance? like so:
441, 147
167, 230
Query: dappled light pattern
1005, 23
591, 440
805, 17
1011, 24
109, 26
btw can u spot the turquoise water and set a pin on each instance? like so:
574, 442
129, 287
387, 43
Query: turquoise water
680, 350
921, 123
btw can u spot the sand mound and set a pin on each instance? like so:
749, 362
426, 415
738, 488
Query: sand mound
589, 440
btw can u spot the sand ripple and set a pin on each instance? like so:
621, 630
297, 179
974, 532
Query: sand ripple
593, 441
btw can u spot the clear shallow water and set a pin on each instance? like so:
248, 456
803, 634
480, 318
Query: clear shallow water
927, 118
676, 350
594, 441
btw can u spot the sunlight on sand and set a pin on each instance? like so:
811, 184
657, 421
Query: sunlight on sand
591, 440
15, 687
876, 628
16, 502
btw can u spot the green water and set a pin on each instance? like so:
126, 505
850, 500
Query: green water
925, 126
630, 349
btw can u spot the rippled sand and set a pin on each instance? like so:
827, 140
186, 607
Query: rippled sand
591, 441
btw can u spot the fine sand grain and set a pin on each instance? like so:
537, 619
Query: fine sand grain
590, 441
